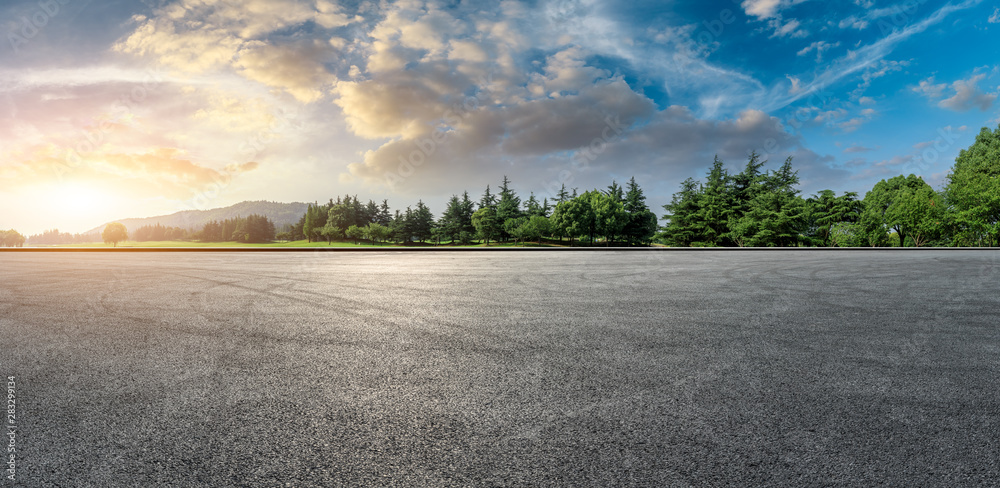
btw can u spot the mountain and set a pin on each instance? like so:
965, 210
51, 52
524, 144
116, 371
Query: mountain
279, 213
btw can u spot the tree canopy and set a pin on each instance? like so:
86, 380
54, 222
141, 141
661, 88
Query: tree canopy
114, 233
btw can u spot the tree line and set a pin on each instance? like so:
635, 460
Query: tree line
753, 207
11, 238
764, 209
616, 214
159, 233
251, 229
54, 237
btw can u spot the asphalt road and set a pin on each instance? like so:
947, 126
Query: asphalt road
504, 369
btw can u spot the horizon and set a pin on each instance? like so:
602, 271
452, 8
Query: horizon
136, 110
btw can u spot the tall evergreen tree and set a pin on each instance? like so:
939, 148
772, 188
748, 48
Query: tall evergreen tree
451, 221
423, 222
509, 206
488, 199
384, 217
615, 192
682, 228
714, 208
532, 207
562, 196
641, 225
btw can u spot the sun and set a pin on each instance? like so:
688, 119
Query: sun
81, 202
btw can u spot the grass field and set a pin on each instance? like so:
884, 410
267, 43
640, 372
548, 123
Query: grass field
304, 244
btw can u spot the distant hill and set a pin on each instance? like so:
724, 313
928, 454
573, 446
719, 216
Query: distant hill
279, 213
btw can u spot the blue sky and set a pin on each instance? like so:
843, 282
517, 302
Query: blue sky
114, 109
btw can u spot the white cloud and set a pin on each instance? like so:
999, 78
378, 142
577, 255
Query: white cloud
866, 56
787, 29
995, 18
199, 36
968, 96
930, 89
820, 47
767, 9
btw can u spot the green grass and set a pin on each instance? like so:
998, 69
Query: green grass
306, 244
133, 244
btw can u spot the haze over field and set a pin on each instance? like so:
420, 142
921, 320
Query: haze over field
117, 108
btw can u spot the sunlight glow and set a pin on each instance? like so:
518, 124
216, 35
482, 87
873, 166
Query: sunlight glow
80, 202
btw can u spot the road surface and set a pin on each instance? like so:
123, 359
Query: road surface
503, 369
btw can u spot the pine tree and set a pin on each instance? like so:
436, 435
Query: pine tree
384, 217
452, 219
641, 225
682, 227
488, 199
423, 222
562, 196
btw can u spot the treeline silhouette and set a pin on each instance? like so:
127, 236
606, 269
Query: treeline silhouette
11, 238
159, 233
251, 229
54, 237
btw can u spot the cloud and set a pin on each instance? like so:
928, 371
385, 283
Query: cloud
820, 47
787, 29
968, 96
767, 9
296, 68
930, 89
857, 149
165, 171
866, 56
875, 71
995, 17
198, 36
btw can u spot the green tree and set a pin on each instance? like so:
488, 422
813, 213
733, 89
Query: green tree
423, 222
114, 233
846, 234
486, 223
682, 228
452, 221
515, 228
776, 216
973, 192
509, 205
575, 218
641, 225
488, 199
825, 210
610, 217
468, 209
384, 217
532, 207
906, 205
355, 232
563, 195
376, 232
536, 228
330, 232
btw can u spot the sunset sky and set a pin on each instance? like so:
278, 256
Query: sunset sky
112, 109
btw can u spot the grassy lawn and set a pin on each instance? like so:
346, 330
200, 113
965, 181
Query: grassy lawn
306, 244
215, 244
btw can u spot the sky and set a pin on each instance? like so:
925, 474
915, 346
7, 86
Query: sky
116, 109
